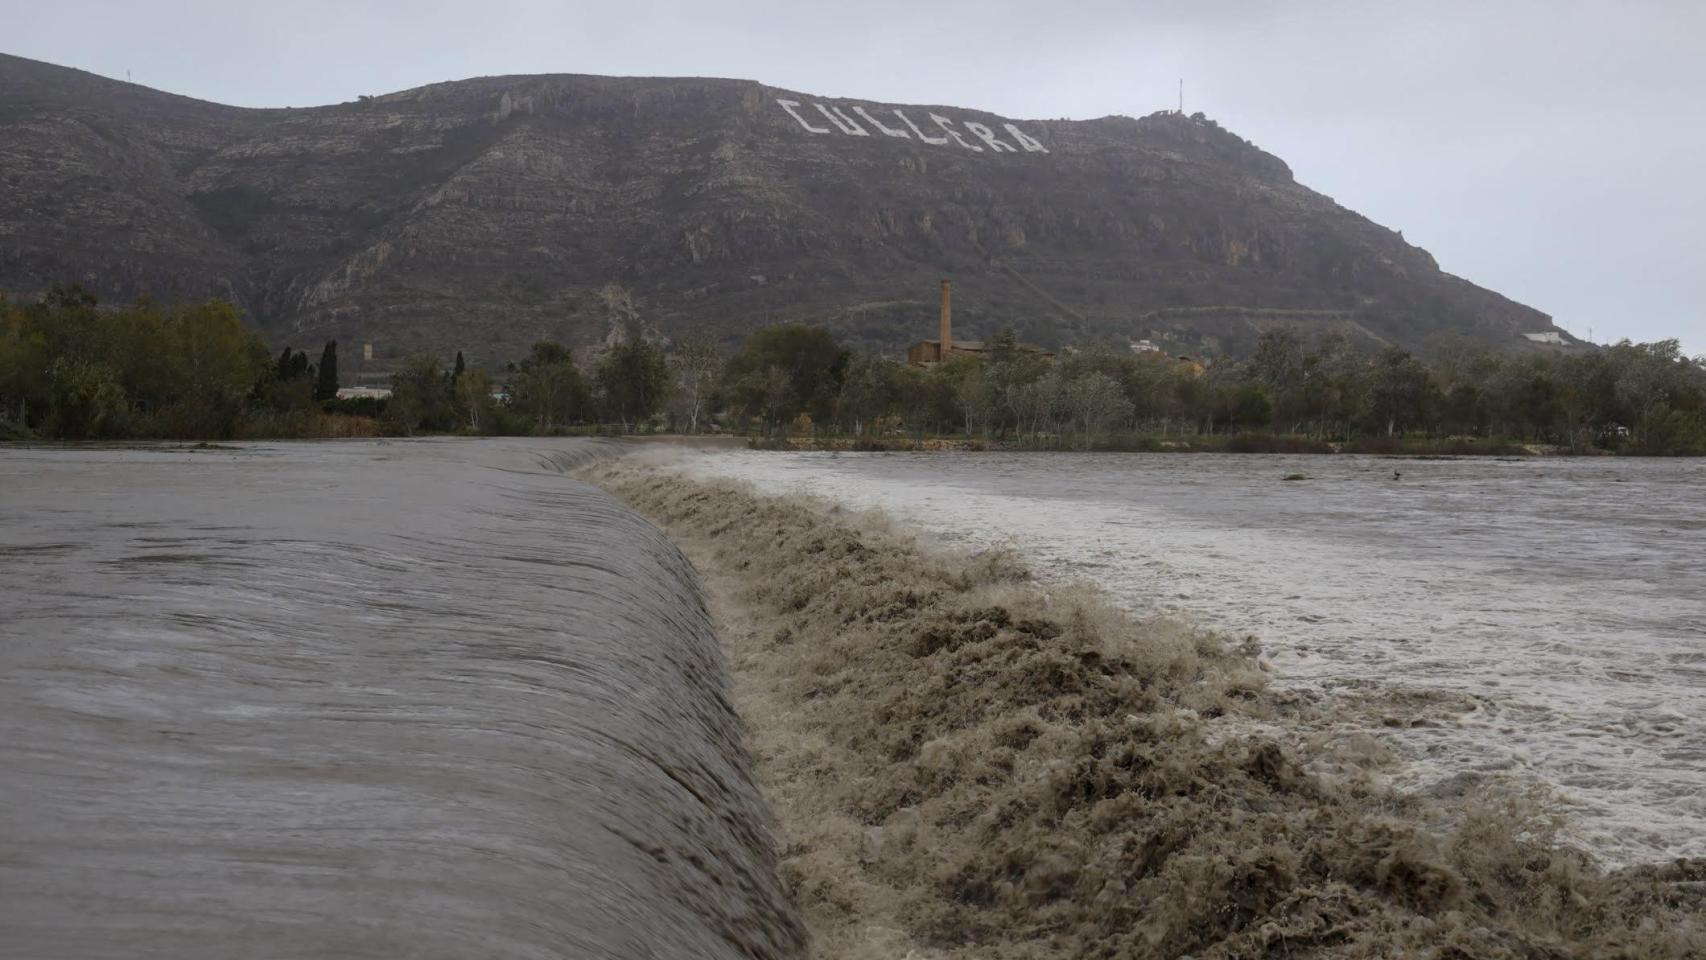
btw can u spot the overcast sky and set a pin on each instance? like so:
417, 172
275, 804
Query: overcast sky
1553, 151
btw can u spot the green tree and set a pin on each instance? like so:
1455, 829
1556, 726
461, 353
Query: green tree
1278, 365
1093, 399
326, 387
24, 361
1011, 379
810, 360
633, 379
1524, 396
547, 387
418, 399
290, 388
868, 392
1587, 394
1397, 390
978, 398
775, 394
941, 398
213, 364
1004, 346
1334, 383
1251, 407
913, 395
1651, 380
473, 400
85, 397
1035, 405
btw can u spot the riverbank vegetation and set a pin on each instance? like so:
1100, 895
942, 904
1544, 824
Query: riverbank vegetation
964, 763
70, 369
792, 385
73, 369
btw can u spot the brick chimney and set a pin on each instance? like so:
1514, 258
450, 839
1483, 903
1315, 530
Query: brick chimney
947, 337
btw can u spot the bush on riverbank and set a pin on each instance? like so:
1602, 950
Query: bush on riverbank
1440, 447
966, 762
72, 370
308, 425
12, 430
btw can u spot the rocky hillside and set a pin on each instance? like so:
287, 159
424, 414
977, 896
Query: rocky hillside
484, 214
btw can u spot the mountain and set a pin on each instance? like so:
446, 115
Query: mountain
484, 214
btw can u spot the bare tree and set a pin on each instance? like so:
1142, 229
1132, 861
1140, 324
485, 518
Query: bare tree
695, 365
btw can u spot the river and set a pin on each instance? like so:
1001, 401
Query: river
1539, 620
362, 699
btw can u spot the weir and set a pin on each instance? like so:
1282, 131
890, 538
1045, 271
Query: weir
427, 699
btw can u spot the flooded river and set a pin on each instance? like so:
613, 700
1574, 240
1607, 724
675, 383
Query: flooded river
362, 699
1558, 606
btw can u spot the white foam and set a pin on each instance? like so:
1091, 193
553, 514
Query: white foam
1560, 604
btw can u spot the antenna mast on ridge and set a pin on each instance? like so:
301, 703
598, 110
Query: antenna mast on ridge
1181, 96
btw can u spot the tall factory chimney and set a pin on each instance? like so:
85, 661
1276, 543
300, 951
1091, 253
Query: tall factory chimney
947, 337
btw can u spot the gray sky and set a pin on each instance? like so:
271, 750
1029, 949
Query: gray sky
1553, 151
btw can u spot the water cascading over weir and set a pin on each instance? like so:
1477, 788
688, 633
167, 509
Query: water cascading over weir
427, 699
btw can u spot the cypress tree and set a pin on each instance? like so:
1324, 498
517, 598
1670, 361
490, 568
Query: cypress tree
284, 364
326, 388
453, 376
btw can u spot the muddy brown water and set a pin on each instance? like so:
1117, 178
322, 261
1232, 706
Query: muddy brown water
362, 699
1528, 621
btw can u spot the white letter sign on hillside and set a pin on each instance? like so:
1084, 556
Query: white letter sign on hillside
839, 120
948, 128
873, 121
988, 136
793, 108
842, 120
908, 121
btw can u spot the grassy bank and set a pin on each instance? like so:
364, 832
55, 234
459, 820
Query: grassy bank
966, 764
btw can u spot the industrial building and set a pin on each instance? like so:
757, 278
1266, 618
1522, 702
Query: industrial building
926, 353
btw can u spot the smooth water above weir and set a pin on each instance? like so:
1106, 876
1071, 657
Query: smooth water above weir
1542, 619
353, 699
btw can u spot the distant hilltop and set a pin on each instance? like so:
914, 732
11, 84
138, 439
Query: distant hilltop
486, 214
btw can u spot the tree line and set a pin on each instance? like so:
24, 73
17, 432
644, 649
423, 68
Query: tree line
1631, 397
546, 392
798, 379
70, 369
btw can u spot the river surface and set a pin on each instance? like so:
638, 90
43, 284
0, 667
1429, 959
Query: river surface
1560, 605
362, 699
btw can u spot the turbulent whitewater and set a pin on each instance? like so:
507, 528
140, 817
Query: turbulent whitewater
1535, 620
427, 699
